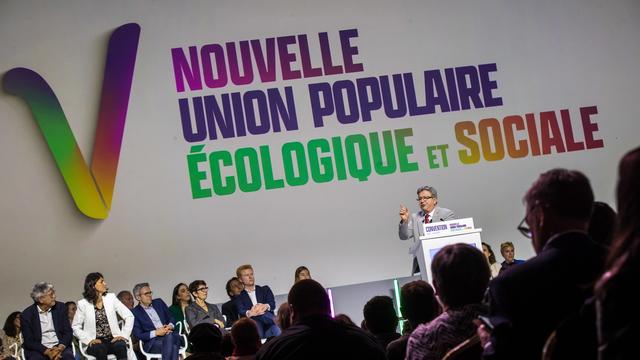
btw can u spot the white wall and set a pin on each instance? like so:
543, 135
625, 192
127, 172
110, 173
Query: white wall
549, 56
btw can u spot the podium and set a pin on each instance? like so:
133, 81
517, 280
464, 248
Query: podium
440, 234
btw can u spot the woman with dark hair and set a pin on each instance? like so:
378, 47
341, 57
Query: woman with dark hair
491, 259
234, 287
302, 273
616, 306
96, 321
180, 299
10, 335
199, 310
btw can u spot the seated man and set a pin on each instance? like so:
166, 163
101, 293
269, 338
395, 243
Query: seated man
257, 303
229, 310
46, 330
314, 334
153, 324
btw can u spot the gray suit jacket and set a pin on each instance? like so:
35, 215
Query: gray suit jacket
412, 229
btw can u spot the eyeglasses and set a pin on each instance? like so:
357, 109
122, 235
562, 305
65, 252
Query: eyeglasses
147, 293
524, 228
424, 198
203, 289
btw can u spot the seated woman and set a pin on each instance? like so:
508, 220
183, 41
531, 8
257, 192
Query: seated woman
11, 336
199, 310
96, 321
491, 259
234, 288
180, 299
302, 273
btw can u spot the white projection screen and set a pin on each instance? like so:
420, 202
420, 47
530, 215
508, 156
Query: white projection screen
316, 121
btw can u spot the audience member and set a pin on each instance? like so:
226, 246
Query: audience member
96, 321
302, 273
617, 304
531, 300
494, 267
381, 319
283, 318
199, 310
234, 287
508, 252
344, 319
126, 298
603, 224
460, 277
71, 308
411, 225
418, 304
204, 340
314, 335
45, 327
256, 302
11, 336
246, 340
180, 299
71, 313
153, 324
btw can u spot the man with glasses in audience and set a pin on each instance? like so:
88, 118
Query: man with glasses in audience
46, 329
411, 225
153, 324
528, 302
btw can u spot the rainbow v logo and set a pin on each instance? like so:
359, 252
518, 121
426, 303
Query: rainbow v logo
92, 190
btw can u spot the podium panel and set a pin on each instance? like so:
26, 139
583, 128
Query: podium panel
436, 240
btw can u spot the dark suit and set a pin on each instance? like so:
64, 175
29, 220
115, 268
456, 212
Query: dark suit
230, 311
167, 345
266, 322
32, 332
533, 298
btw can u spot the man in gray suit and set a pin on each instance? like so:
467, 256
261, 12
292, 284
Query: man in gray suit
411, 225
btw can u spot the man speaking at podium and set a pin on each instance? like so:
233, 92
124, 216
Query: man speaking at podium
411, 225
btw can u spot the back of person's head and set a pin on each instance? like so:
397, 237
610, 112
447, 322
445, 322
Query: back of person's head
283, 320
602, 224
380, 315
308, 297
344, 320
418, 302
205, 337
245, 337
460, 275
567, 193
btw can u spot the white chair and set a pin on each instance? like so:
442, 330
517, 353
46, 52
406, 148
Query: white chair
182, 351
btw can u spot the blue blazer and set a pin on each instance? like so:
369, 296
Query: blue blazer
264, 295
32, 332
143, 325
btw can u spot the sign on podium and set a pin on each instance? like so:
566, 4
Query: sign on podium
440, 234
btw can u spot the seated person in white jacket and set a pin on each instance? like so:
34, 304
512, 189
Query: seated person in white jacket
96, 324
